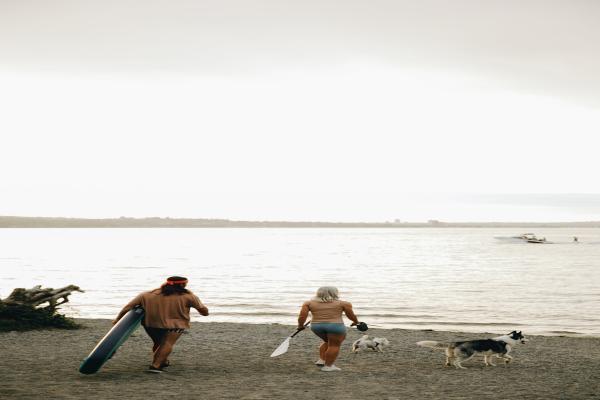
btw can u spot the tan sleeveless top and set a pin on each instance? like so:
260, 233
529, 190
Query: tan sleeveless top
327, 312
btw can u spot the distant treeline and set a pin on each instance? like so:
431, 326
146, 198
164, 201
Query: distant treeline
155, 222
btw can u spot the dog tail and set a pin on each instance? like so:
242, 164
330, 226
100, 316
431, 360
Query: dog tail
433, 345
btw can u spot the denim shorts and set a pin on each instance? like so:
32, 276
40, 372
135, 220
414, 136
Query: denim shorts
321, 328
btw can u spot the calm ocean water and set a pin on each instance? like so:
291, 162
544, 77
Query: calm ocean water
450, 279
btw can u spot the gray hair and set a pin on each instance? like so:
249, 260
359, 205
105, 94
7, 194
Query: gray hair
327, 294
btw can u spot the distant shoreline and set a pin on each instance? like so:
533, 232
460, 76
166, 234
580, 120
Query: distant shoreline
155, 222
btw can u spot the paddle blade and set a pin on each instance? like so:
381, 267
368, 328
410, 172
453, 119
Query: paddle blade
283, 348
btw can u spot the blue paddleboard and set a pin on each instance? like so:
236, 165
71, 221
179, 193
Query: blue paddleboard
111, 341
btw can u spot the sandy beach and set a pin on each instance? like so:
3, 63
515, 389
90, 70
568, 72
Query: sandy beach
231, 361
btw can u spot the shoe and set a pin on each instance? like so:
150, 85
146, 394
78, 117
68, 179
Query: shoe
331, 368
165, 364
154, 370
320, 363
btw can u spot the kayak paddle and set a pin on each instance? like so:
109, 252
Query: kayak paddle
283, 347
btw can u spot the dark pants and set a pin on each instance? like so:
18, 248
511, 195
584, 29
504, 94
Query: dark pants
158, 334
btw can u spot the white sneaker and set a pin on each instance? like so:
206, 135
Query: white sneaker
331, 368
320, 363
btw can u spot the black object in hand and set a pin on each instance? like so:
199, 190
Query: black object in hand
362, 326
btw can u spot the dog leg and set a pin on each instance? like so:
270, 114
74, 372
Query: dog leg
460, 357
487, 359
457, 364
491, 360
507, 357
449, 358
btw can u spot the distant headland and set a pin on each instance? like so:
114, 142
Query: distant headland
157, 222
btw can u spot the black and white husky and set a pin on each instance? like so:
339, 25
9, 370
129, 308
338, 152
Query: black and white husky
458, 352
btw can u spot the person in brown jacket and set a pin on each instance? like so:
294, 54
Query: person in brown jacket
167, 316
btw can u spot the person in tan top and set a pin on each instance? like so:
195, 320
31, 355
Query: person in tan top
327, 309
167, 316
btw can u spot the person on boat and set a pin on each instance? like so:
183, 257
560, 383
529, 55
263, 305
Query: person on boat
167, 316
327, 309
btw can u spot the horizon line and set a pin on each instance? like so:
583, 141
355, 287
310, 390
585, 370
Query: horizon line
225, 221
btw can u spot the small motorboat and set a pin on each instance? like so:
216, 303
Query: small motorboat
521, 238
537, 240
525, 236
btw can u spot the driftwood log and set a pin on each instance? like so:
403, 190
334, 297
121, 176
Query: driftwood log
37, 296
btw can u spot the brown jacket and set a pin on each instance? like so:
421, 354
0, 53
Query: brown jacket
166, 312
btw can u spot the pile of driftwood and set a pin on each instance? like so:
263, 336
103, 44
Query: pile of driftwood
36, 308
36, 296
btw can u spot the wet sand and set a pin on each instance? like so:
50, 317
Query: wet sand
231, 361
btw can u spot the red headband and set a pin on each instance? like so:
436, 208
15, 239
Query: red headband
176, 282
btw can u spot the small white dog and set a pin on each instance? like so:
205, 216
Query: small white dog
367, 342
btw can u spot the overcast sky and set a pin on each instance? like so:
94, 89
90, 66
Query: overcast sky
305, 110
